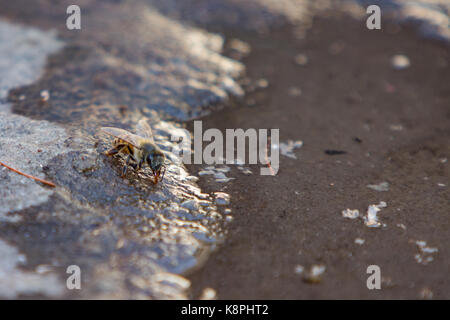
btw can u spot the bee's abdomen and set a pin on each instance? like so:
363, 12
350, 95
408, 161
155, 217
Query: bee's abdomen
118, 142
124, 146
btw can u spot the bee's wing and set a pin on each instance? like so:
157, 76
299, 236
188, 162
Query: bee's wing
143, 129
123, 134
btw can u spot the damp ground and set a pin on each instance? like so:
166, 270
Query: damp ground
371, 133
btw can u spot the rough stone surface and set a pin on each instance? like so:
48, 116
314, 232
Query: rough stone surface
23, 53
432, 17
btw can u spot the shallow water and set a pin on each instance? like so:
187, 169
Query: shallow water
129, 236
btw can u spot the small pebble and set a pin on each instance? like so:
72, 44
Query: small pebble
299, 269
262, 83
400, 62
190, 204
45, 95
350, 214
192, 178
294, 91
383, 186
401, 226
396, 127
208, 294
426, 294
222, 198
301, 59
314, 275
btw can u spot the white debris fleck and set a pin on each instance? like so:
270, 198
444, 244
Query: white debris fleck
191, 204
396, 127
44, 269
191, 178
400, 62
245, 170
314, 275
222, 198
205, 172
221, 177
176, 280
287, 149
317, 270
294, 92
208, 294
429, 250
299, 269
426, 294
423, 247
371, 220
262, 83
240, 47
301, 59
359, 241
45, 95
224, 180
383, 186
401, 226
425, 255
222, 169
420, 243
217, 172
441, 185
350, 214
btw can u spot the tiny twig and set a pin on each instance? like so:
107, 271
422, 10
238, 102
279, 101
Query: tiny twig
51, 184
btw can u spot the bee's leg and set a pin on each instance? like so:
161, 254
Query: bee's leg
134, 165
116, 149
139, 164
125, 167
112, 151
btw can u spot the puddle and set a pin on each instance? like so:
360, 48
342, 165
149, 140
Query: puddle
132, 239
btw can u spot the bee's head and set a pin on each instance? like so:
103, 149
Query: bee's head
155, 161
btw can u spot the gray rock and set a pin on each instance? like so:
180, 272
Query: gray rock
128, 236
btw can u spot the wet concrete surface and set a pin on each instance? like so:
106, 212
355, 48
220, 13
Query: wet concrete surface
133, 239
130, 238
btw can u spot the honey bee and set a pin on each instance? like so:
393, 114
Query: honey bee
140, 148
